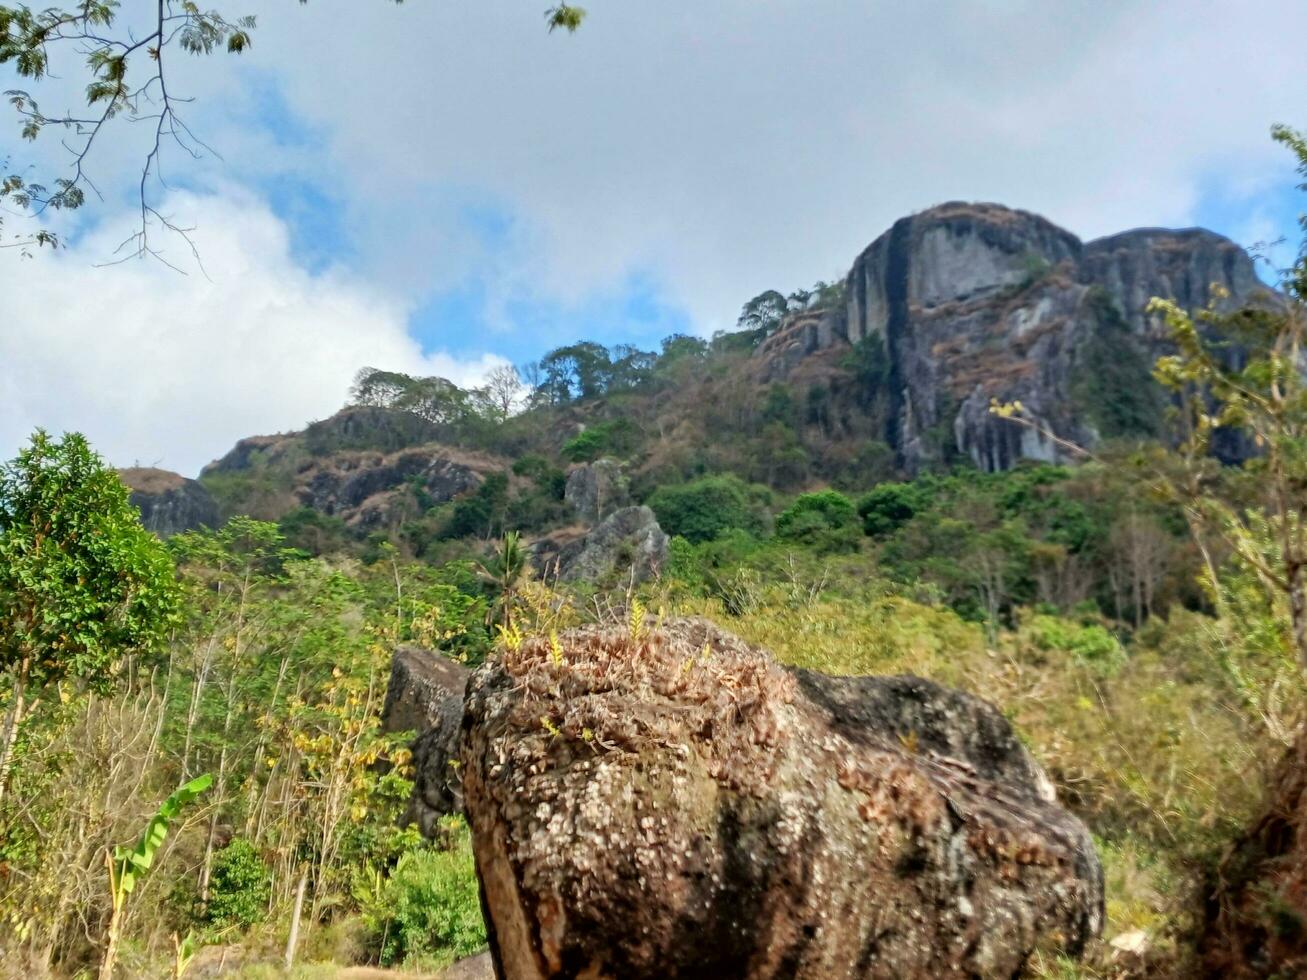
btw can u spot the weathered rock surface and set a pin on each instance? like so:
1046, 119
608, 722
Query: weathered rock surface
169, 503
362, 487
974, 302
678, 805
596, 489
626, 545
425, 694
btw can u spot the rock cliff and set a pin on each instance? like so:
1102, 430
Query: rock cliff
169, 503
964, 303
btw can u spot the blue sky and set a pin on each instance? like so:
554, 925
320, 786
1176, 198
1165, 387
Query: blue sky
401, 190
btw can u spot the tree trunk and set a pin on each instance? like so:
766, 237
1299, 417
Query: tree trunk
293, 939
115, 924
11, 725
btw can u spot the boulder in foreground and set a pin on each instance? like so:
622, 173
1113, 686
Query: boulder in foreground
675, 804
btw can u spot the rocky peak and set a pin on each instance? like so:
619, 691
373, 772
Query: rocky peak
1134, 266
977, 302
950, 253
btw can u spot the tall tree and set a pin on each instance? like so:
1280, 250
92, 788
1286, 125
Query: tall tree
82, 583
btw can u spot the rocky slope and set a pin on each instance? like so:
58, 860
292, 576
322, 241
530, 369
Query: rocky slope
370, 467
966, 303
946, 312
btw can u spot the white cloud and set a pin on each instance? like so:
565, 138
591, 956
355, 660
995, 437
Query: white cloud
162, 369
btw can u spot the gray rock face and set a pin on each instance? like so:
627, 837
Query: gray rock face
627, 544
596, 489
425, 694
977, 302
169, 503
1135, 266
677, 805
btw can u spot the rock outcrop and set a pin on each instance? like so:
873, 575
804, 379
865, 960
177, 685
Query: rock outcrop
169, 503
425, 694
627, 545
677, 805
371, 467
968, 303
596, 489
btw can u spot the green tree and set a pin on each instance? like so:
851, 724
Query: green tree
825, 510
891, 505
764, 312
82, 584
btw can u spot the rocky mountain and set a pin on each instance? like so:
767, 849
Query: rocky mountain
965, 303
945, 313
169, 503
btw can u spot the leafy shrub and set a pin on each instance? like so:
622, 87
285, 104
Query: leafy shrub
585, 447
1091, 644
312, 531
704, 509
429, 910
545, 475
616, 437
239, 887
482, 513
825, 510
889, 506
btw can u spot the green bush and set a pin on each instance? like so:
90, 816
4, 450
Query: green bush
239, 887
616, 437
825, 510
428, 913
585, 447
889, 506
480, 514
708, 507
1091, 644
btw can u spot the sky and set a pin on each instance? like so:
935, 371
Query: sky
440, 190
